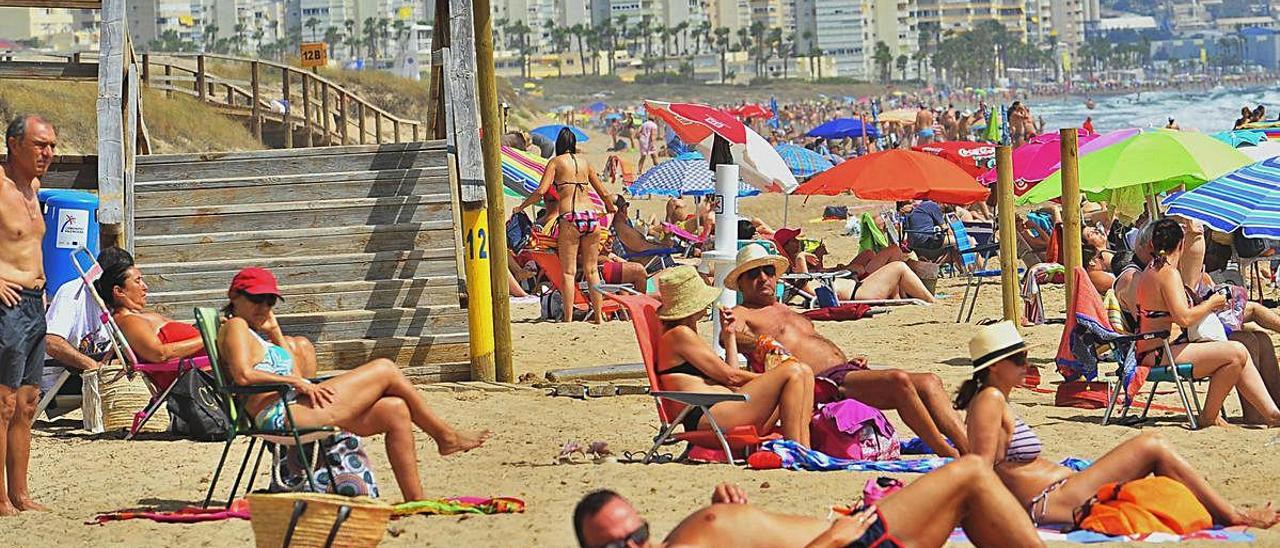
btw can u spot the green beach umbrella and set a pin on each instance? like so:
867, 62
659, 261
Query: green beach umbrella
994, 126
1147, 163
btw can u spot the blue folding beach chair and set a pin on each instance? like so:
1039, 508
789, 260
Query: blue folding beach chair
969, 267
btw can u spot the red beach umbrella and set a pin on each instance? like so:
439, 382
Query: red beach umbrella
751, 111
697, 125
973, 157
894, 175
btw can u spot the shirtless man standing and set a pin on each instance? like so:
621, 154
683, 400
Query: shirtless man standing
919, 398
924, 126
30, 141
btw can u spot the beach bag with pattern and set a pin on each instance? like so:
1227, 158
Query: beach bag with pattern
1154, 504
344, 455
850, 429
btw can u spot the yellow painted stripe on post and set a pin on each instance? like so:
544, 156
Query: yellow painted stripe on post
475, 236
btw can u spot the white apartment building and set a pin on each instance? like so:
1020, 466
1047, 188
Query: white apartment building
843, 30
148, 20
53, 27
733, 14
959, 15
895, 25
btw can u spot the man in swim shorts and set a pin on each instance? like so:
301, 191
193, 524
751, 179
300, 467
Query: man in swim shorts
30, 142
924, 513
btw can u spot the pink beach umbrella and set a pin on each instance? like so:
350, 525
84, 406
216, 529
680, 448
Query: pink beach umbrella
1042, 156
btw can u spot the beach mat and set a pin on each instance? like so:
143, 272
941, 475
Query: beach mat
797, 457
459, 505
1228, 534
191, 514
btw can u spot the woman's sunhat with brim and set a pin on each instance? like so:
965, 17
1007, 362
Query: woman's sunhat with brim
995, 342
752, 256
683, 293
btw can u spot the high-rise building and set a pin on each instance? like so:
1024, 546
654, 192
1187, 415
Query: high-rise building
959, 15
732, 14
1068, 23
843, 30
46, 26
155, 20
895, 25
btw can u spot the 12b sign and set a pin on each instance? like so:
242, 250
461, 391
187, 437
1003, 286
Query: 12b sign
314, 54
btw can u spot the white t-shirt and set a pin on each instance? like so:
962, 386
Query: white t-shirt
74, 316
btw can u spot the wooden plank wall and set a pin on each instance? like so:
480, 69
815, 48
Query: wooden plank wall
360, 237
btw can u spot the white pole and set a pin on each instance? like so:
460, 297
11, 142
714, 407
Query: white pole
786, 208
726, 249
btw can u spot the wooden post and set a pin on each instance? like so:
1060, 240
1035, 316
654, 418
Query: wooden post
146, 68
1008, 233
360, 116
487, 97
395, 129
342, 114
326, 116
288, 108
231, 95
112, 151
377, 127
1071, 253
168, 80
255, 83
201, 90
415, 132
306, 109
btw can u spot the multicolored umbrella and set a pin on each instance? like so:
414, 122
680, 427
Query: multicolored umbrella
1160, 159
685, 175
841, 128
973, 157
552, 131
1041, 156
894, 175
759, 163
1247, 198
804, 163
1241, 138
1271, 129
522, 171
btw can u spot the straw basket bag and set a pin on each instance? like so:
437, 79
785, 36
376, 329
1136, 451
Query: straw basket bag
123, 397
315, 519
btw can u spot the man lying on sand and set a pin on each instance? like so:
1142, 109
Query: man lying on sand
919, 398
965, 493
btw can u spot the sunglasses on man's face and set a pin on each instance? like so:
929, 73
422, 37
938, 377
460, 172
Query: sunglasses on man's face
768, 270
267, 299
637, 537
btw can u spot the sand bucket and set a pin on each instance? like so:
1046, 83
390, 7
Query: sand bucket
928, 273
315, 519
122, 398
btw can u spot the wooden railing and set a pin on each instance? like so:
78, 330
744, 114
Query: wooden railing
329, 115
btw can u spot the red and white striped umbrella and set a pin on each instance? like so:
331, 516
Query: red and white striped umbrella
760, 165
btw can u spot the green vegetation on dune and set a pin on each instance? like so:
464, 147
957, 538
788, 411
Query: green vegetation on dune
177, 124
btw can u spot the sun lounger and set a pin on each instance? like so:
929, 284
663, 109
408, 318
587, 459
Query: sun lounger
549, 264
674, 406
688, 240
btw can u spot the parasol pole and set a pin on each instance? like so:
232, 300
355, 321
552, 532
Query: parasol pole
786, 208
726, 242
1008, 234
1072, 253
1153, 207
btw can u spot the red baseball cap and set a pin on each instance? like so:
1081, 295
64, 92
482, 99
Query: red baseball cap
255, 281
784, 236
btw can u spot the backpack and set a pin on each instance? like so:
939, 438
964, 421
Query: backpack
850, 429
195, 410
519, 232
1154, 504
352, 470
550, 306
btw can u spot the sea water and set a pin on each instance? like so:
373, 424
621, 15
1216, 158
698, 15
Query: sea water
1208, 111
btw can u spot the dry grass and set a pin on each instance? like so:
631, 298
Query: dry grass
178, 124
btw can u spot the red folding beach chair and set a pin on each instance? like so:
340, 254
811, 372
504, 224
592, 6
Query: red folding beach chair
549, 264
159, 377
674, 406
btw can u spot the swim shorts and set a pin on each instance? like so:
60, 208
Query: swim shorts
837, 373
274, 417
22, 331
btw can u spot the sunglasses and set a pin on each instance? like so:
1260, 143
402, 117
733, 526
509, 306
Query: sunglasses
768, 270
266, 298
1019, 359
638, 537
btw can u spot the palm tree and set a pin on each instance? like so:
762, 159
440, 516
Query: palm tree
721, 39
703, 32
352, 40
758, 31
332, 36
901, 62
786, 49
883, 58
312, 23
579, 32
210, 37
680, 32
370, 32
239, 30
644, 31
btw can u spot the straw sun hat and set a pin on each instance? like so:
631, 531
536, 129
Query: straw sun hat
995, 342
683, 293
751, 256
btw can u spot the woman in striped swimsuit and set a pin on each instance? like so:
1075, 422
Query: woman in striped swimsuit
1050, 492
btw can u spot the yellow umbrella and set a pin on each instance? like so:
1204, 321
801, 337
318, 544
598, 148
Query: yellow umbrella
899, 116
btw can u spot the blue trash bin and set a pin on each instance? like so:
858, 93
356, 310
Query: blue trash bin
71, 221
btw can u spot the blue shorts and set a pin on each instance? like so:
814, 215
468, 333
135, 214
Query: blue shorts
22, 330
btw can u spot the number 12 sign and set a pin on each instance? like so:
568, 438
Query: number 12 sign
314, 54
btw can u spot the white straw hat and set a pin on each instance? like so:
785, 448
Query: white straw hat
751, 256
683, 293
995, 342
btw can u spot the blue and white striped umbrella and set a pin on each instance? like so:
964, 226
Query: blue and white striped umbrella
1247, 198
802, 162
685, 175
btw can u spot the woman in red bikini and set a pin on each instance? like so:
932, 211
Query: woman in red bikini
581, 226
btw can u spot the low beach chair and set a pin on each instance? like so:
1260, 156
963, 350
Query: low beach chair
969, 266
674, 406
241, 423
687, 241
549, 264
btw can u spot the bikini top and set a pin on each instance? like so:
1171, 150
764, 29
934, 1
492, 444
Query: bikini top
576, 184
1024, 444
275, 360
685, 368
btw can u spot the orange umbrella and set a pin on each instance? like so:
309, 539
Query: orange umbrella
894, 175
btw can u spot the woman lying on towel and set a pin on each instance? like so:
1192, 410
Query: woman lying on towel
1163, 300
891, 280
374, 398
1049, 492
153, 337
686, 363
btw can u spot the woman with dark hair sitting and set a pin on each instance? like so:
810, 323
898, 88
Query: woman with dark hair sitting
374, 398
1163, 300
1051, 493
581, 226
153, 337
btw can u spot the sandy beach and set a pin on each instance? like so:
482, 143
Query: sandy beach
79, 476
